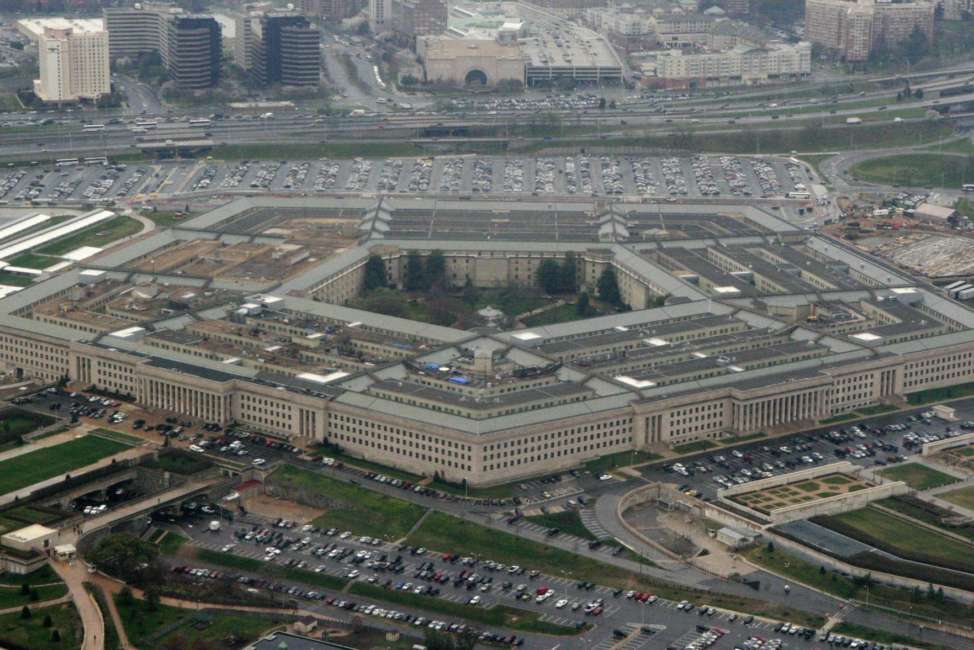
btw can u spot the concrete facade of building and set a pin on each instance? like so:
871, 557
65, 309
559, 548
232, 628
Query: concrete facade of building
72, 59
190, 46
413, 18
856, 28
719, 340
739, 65
450, 60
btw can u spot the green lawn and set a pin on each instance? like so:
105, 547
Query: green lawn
171, 543
842, 417
223, 631
882, 636
141, 624
917, 476
44, 575
12, 596
963, 497
32, 633
620, 459
560, 314
353, 508
925, 170
181, 462
15, 279
100, 235
813, 575
367, 465
567, 521
307, 151
496, 492
30, 468
270, 569
16, 422
498, 616
733, 440
445, 533
33, 261
167, 218
693, 447
903, 539
118, 436
965, 207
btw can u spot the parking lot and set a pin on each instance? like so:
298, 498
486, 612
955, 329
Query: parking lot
634, 620
579, 175
878, 441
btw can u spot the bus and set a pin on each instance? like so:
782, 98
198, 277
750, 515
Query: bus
146, 124
799, 195
200, 121
138, 129
60, 163
92, 128
968, 187
96, 160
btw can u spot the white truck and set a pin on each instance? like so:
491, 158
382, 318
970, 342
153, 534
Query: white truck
853, 120
214, 526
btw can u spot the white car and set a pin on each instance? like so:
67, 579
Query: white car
605, 477
259, 462
196, 448
561, 603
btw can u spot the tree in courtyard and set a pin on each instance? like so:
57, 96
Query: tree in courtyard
569, 273
126, 557
436, 269
415, 272
55, 636
48, 622
608, 287
582, 307
125, 597
25, 612
24, 588
375, 273
916, 45
151, 599
470, 293
549, 276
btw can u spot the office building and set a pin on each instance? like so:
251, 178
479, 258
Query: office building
279, 49
856, 28
190, 46
380, 13
72, 56
412, 18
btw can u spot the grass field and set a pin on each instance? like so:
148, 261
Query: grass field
12, 597
33, 261
167, 218
963, 497
925, 170
118, 436
16, 422
917, 476
309, 150
353, 508
733, 440
443, 532
620, 459
882, 636
171, 543
99, 235
36, 466
42, 576
499, 616
496, 492
905, 600
566, 521
367, 465
15, 279
141, 624
560, 314
926, 512
223, 631
903, 539
693, 447
180, 462
804, 491
32, 633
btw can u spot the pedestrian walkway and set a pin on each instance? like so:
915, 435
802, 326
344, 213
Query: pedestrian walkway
74, 575
592, 523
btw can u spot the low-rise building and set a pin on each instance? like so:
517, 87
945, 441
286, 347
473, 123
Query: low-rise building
739, 65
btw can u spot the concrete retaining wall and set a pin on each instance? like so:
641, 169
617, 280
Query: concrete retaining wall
931, 448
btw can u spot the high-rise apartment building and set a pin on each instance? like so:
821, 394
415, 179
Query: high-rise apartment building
190, 46
856, 28
72, 58
380, 13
